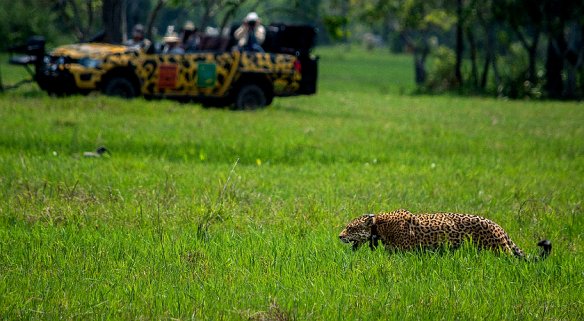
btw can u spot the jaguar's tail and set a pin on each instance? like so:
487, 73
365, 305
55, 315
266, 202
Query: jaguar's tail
546, 249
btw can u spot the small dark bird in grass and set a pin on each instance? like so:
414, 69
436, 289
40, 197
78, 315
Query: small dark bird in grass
99, 152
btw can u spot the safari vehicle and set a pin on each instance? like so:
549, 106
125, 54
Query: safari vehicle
214, 75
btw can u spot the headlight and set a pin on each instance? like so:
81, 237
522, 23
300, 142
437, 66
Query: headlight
90, 63
52, 63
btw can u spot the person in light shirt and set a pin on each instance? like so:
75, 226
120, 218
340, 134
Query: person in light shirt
172, 42
251, 34
138, 41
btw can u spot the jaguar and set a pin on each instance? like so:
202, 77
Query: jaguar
403, 231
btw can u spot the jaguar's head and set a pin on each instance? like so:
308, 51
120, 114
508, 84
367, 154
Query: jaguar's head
358, 231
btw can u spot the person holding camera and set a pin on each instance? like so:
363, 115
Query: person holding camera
138, 41
251, 34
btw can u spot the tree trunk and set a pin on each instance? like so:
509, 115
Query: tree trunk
554, 65
473, 59
420, 70
489, 54
113, 20
555, 56
227, 17
531, 51
206, 15
420, 65
489, 32
345, 13
485, 73
574, 60
89, 8
459, 43
493, 53
386, 28
82, 32
571, 80
532, 74
152, 18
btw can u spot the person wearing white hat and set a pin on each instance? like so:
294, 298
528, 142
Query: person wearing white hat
171, 42
251, 34
189, 37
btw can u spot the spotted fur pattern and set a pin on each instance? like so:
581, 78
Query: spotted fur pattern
402, 230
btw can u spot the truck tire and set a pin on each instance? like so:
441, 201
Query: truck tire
251, 96
120, 87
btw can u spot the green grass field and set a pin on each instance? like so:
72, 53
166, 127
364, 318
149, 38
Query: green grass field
209, 214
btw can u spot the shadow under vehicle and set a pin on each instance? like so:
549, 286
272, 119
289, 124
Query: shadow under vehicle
214, 75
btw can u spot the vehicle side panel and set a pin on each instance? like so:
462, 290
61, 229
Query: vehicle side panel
279, 68
156, 73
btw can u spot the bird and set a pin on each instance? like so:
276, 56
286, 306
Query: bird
99, 152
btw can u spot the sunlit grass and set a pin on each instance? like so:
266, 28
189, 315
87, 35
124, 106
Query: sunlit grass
212, 214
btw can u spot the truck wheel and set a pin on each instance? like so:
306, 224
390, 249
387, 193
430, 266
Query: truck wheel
250, 97
120, 87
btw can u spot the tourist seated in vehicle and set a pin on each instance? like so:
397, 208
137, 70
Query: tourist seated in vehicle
172, 42
190, 37
138, 41
251, 34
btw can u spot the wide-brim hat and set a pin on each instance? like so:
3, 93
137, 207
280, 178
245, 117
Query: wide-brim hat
252, 16
138, 28
189, 25
173, 37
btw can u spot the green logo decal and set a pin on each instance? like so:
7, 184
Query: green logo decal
206, 75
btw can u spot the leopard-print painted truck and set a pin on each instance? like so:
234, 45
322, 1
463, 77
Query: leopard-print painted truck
226, 77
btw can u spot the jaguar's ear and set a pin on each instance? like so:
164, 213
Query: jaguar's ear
369, 219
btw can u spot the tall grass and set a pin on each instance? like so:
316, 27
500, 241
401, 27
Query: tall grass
211, 214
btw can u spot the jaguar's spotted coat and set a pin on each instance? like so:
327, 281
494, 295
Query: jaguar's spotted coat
402, 230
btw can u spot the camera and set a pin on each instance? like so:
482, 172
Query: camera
251, 23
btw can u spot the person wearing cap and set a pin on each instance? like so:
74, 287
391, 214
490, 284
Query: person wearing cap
189, 37
251, 34
171, 42
138, 41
